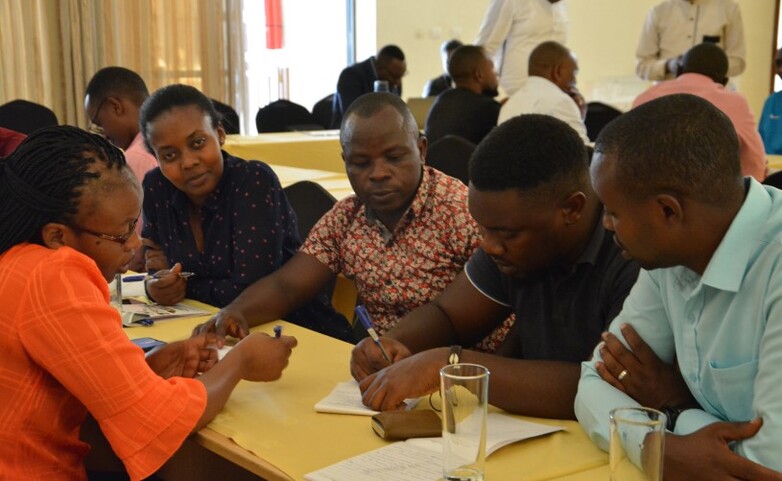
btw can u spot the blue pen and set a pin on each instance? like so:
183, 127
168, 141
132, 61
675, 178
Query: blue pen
363, 317
145, 322
143, 277
277, 331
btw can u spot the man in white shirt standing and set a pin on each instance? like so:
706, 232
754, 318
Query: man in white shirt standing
511, 29
550, 88
675, 26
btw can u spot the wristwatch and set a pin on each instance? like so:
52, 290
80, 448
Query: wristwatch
455, 354
672, 414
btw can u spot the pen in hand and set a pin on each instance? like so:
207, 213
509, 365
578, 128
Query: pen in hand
143, 277
363, 317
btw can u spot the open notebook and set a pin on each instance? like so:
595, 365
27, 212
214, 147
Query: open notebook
420, 459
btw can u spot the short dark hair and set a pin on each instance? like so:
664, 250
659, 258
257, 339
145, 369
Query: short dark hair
707, 59
528, 152
545, 56
391, 51
170, 96
43, 180
450, 45
368, 105
677, 144
117, 82
465, 60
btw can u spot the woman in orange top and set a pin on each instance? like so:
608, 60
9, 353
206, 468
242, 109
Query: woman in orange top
68, 209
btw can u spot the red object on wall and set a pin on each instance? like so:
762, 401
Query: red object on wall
273, 24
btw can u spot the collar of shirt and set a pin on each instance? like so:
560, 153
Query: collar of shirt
730, 261
413, 210
588, 256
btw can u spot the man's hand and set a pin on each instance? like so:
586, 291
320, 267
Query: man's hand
673, 65
366, 357
411, 377
167, 287
706, 454
263, 357
183, 358
579, 100
226, 322
644, 377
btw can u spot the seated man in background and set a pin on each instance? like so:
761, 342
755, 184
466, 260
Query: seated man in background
771, 119
402, 238
359, 79
704, 72
440, 84
709, 296
112, 103
469, 110
544, 256
550, 88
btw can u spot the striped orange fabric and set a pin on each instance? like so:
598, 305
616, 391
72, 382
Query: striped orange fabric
64, 353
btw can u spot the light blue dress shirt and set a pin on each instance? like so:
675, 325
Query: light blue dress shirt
725, 329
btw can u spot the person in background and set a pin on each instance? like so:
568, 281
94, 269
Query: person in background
68, 209
675, 26
206, 212
544, 256
440, 84
770, 126
359, 79
9, 141
402, 238
511, 29
469, 110
112, 102
704, 73
550, 89
705, 317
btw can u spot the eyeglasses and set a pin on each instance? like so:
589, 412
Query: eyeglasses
94, 127
119, 239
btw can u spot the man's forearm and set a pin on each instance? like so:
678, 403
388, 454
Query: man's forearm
424, 328
532, 388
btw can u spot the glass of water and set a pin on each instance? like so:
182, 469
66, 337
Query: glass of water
637, 444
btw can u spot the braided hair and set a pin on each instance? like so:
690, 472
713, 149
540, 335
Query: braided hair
43, 179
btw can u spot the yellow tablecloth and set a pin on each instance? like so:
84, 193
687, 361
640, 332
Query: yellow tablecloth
337, 184
318, 149
277, 422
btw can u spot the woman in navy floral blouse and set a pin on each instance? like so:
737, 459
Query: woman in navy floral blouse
222, 218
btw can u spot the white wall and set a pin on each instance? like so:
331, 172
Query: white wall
603, 34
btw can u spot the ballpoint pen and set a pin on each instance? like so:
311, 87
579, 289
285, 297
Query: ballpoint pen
277, 331
363, 317
143, 277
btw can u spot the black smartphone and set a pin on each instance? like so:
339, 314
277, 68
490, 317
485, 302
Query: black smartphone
147, 343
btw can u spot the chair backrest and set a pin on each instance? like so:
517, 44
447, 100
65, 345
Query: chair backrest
230, 119
26, 117
283, 116
774, 180
598, 116
321, 111
420, 107
451, 155
310, 201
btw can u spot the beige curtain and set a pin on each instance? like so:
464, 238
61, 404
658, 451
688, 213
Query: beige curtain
51, 48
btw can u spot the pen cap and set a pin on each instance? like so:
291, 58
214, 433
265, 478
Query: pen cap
363, 317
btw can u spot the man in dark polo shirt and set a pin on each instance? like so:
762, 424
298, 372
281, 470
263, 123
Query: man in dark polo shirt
544, 256
469, 110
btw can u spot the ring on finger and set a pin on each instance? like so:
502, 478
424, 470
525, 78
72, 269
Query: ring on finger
622, 374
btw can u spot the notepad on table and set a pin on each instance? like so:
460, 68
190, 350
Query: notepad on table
345, 398
420, 459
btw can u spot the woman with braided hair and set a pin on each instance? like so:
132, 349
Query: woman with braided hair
68, 208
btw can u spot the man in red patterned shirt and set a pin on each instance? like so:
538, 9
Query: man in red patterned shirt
402, 238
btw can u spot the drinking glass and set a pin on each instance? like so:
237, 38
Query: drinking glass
637, 444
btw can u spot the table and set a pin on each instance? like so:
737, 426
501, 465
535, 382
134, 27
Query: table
774, 162
337, 184
272, 430
318, 149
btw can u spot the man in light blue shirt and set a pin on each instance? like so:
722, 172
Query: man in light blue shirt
709, 296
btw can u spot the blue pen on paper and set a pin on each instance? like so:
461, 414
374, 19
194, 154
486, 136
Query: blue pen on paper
145, 322
143, 277
277, 331
363, 317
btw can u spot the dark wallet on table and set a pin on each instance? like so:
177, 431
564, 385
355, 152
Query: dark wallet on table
418, 423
